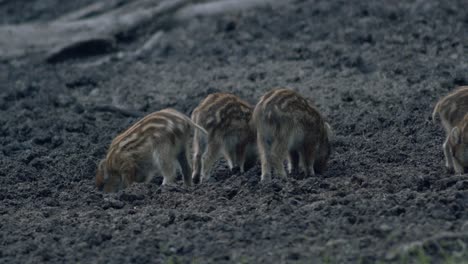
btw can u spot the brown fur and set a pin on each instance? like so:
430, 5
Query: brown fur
288, 127
159, 141
453, 112
226, 118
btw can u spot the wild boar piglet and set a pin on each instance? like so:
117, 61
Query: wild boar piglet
226, 118
158, 142
453, 113
289, 127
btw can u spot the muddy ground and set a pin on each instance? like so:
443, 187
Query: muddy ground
375, 70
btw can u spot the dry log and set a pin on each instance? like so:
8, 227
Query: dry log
94, 29
63, 38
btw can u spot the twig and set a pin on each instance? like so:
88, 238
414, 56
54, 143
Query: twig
89, 10
219, 7
118, 110
149, 44
146, 48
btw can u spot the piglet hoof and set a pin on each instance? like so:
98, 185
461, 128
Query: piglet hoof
196, 179
300, 175
236, 170
449, 169
265, 180
209, 180
188, 184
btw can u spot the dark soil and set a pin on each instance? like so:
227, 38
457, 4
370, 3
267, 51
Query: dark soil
374, 68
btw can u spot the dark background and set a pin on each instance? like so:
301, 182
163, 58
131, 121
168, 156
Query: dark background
374, 68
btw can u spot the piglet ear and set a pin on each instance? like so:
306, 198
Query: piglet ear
455, 135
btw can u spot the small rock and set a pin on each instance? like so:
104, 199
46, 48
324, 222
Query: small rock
336, 242
116, 204
385, 228
78, 108
294, 256
230, 26
397, 210
63, 100
42, 139
230, 193
462, 185
464, 227
130, 197
56, 141
197, 218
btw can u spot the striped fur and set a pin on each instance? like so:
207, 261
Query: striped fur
159, 141
453, 113
227, 121
288, 127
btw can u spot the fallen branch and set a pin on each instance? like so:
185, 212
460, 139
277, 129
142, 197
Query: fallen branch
65, 38
117, 110
97, 28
